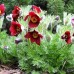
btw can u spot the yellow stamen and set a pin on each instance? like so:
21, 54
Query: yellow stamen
0, 12
35, 35
18, 29
34, 19
66, 36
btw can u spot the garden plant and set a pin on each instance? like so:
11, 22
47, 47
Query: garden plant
37, 42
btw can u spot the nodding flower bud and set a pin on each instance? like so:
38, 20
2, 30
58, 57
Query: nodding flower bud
6, 47
57, 17
18, 40
73, 34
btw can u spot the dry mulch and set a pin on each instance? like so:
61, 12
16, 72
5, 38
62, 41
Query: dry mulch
7, 70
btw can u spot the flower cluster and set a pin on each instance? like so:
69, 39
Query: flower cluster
15, 26
33, 22
33, 19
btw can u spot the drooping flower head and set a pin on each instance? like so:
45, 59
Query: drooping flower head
57, 17
34, 19
66, 37
16, 13
36, 9
18, 40
2, 9
9, 17
34, 37
15, 28
16, 10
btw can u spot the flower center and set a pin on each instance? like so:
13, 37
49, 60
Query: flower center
35, 35
66, 36
34, 19
17, 29
0, 12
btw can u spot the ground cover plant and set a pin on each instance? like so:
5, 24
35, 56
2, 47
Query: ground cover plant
36, 42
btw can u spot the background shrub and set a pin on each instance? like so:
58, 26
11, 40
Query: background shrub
55, 7
69, 6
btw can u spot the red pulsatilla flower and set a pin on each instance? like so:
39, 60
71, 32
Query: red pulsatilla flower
16, 13
2, 9
66, 37
15, 28
36, 9
34, 19
34, 37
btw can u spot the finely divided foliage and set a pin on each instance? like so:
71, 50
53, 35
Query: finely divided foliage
35, 48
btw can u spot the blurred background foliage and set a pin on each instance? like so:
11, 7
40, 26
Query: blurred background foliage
11, 3
69, 6
55, 7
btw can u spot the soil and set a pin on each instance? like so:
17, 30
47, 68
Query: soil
7, 70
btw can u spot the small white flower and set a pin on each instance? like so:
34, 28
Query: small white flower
22, 27
58, 28
72, 21
72, 38
9, 17
20, 13
6, 47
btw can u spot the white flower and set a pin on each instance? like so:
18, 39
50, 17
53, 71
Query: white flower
72, 21
58, 28
20, 13
9, 17
72, 39
6, 47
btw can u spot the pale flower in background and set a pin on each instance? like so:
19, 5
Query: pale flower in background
9, 17
72, 21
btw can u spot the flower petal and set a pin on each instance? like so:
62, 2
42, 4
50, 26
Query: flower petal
13, 32
40, 36
32, 25
38, 40
36, 9
28, 35
26, 18
68, 41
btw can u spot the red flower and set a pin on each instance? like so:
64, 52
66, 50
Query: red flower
16, 13
16, 10
15, 28
36, 9
66, 37
34, 20
34, 37
2, 9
